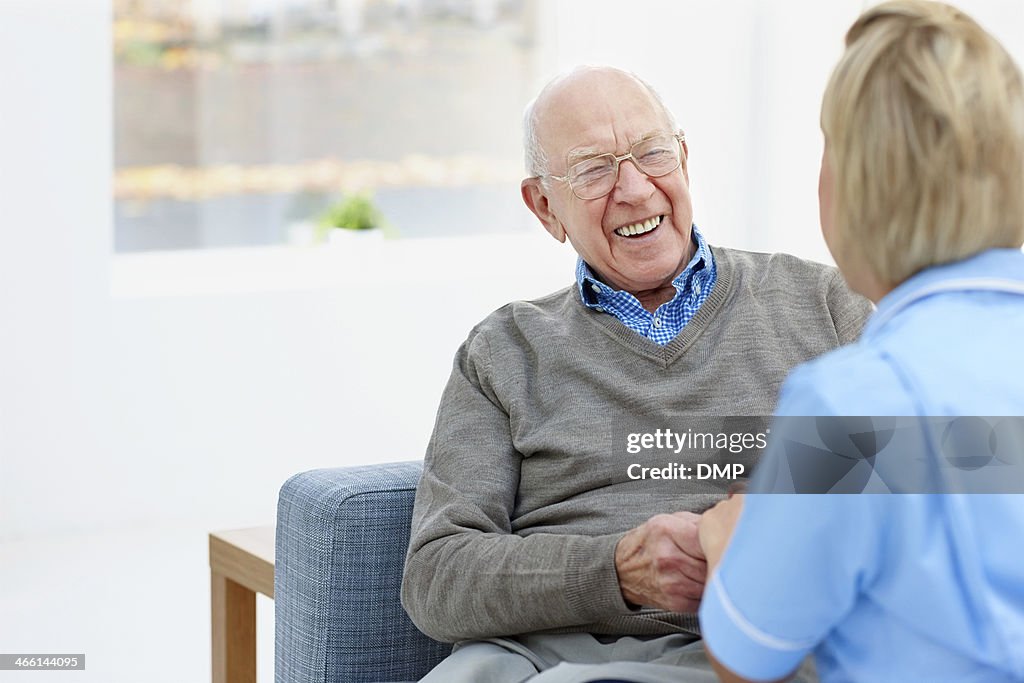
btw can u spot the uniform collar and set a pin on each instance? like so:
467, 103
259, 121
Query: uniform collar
987, 266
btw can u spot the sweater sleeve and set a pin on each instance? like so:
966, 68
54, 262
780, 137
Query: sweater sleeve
849, 310
467, 575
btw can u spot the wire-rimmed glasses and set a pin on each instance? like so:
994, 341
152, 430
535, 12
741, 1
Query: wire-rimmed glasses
654, 156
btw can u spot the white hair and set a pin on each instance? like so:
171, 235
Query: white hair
535, 157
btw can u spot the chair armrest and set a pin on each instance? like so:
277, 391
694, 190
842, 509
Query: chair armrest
341, 541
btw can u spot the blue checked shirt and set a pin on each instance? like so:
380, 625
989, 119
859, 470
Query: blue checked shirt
693, 286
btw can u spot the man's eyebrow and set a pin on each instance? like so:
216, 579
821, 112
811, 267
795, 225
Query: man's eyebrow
648, 136
581, 153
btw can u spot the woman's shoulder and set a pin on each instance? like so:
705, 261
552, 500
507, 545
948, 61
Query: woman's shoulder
855, 379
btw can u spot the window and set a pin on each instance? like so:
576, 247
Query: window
238, 122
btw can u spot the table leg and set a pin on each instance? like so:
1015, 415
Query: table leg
233, 631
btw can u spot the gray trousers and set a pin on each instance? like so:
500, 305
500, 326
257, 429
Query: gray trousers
581, 658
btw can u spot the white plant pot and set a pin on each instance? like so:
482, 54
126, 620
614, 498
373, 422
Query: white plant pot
343, 236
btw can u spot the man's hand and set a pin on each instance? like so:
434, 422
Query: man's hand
660, 563
716, 527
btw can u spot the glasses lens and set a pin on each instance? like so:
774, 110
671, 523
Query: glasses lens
593, 178
657, 156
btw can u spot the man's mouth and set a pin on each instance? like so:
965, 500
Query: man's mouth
641, 228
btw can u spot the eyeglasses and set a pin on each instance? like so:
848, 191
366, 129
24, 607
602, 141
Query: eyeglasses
655, 157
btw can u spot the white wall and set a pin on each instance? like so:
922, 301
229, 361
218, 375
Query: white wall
55, 241
339, 358
744, 79
174, 387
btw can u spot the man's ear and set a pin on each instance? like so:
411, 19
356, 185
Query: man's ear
686, 158
536, 199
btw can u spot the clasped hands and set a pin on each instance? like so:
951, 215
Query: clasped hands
665, 561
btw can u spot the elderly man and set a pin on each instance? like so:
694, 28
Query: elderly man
524, 551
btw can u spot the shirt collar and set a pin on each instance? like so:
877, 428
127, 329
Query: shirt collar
1004, 264
586, 280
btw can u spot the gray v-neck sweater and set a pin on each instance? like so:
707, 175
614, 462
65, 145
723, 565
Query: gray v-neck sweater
516, 517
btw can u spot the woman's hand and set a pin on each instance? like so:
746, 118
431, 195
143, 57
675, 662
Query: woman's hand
716, 527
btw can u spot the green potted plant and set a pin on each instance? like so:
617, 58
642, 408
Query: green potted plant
356, 213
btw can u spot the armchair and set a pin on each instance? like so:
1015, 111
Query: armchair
341, 541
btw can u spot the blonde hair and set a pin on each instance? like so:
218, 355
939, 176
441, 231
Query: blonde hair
924, 123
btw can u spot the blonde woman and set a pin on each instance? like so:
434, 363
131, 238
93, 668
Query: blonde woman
922, 206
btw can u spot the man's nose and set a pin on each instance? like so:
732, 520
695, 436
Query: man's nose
632, 185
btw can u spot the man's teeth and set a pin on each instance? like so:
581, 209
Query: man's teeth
639, 228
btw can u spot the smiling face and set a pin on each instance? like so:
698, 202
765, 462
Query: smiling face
599, 111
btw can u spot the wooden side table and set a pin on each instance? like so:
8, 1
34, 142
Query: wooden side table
241, 565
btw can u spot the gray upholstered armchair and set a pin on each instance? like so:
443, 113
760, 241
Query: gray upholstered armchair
341, 541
